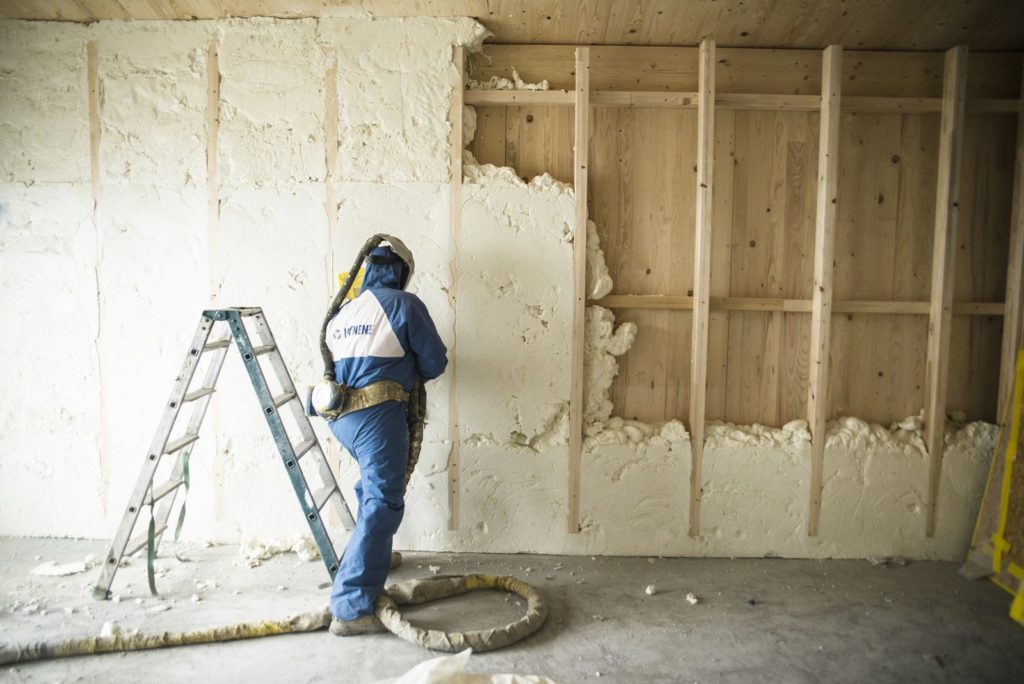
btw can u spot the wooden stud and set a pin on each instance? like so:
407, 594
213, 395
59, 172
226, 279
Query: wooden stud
821, 302
455, 225
488, 98
95, 129
669, 303
1012, 338
701, 274
954, 86
95, 135
581, 156
212, 135
740, 101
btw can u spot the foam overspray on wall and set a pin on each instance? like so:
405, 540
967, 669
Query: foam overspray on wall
101, 293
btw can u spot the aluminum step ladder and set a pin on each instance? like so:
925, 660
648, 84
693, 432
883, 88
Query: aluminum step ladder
303, 461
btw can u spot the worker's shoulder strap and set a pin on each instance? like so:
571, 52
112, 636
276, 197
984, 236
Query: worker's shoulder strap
370, 395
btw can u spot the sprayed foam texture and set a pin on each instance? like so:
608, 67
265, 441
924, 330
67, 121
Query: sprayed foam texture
115, 283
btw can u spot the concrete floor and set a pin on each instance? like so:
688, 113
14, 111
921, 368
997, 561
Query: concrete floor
811, 621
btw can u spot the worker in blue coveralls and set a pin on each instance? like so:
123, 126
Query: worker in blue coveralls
384, 334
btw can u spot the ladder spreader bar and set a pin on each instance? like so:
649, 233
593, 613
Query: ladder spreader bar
283, 398
303, 447
165, 489
180, 443
323, 495
199, 393
140, 541
217, 344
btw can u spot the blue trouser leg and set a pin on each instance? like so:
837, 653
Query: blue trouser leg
378, 439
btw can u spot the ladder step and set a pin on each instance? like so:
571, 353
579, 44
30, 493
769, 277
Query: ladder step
180, 443
263, 349
217, 344
199, 393
140, 541
166, 488
283, 398
302, 448
323, 495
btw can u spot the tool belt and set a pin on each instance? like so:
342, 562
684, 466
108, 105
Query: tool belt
365, 397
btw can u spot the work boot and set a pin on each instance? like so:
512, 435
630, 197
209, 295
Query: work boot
396, 560
366, 624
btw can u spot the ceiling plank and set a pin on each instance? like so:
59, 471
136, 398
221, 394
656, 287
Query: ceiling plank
927, 25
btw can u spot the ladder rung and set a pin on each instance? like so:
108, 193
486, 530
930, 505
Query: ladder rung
141, 540
166, 488
199, 393
302, 448
263, 349
217, 344
282, 399
323, 495
180, 443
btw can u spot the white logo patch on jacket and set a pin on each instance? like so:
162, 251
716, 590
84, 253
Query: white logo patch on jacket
361, 329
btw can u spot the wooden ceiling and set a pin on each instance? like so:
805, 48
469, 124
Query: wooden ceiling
984, 25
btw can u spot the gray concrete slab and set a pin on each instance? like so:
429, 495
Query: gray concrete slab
809, 621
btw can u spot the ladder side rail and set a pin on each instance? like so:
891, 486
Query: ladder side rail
283, 441
165, 505
338, 504
156, 451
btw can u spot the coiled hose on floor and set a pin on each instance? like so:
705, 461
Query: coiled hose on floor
409, 592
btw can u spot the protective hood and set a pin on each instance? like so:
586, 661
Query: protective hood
385, 268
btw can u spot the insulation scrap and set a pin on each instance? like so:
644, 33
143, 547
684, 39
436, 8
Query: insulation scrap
599, 280
256, 551
692, 599
110, 629
51, 569
451, 669
500, 83
651, 590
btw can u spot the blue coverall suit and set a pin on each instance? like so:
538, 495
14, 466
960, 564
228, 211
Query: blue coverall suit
383, 334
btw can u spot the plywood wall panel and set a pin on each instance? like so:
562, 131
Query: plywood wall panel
642, 197
974, 366
721, 262
539, 140
642, 185
654, 376
641, 190
488, 145
877, 366
775, 165
986, 186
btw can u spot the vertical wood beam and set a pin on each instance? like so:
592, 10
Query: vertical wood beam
824, 242
455, 226
95, 130
701, 273
213, 83
95, 134
954, 86
581, 152
1012, 312
331, 105
212, 134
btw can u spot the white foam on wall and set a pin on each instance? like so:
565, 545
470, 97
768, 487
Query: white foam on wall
44, 131
153, 102
271, 103
101, 366
395, 79
50, 377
